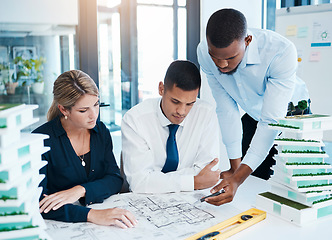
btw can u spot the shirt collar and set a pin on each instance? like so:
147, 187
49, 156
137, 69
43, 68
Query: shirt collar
59, 130
251, 55
163, 119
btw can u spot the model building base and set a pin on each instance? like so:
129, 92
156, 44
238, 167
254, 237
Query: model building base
292, 211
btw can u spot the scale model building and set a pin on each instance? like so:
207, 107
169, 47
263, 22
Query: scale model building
20, 161
301, 184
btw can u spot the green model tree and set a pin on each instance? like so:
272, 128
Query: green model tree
302, 105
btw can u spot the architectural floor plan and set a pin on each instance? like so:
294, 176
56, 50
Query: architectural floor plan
164, 212
162, 216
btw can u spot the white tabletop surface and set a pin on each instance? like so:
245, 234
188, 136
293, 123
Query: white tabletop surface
271, 228
274, 227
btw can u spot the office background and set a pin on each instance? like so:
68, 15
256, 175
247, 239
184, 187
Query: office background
124, 45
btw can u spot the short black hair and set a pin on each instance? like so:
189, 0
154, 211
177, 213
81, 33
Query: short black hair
225, 26
184, 75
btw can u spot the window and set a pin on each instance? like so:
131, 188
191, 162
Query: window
161, 38
110, 63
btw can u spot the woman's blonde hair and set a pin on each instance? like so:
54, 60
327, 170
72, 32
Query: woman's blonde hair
68, 88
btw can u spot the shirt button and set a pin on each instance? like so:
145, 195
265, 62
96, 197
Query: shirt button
239, 84
92, 170
245, 99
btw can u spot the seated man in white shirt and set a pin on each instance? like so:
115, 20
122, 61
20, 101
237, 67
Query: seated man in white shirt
150, 166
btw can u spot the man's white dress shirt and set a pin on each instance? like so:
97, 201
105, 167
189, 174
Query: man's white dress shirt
144, 135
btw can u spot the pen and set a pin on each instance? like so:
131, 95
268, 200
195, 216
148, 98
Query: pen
213, 195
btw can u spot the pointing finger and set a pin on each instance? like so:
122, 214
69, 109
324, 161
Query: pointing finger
213, 163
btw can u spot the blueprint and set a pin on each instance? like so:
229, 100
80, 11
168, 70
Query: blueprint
160, 216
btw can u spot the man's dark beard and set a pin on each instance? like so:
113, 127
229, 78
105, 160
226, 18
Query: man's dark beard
230, 72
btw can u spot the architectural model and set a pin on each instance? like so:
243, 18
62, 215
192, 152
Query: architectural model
20, 161
301, 184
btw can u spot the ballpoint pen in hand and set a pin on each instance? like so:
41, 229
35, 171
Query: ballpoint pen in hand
213, 195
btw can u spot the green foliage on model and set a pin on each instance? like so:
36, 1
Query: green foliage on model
311, 174
16, 228
307, 163
303, 151
283, 125
13, 214
314, 191
316, 185
295, 140
302, 105
5, 198
322, 200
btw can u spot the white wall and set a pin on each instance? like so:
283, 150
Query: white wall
315, 72
253, 11
39, 11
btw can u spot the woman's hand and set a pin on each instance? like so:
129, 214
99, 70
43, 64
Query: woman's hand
58, 199
112, 216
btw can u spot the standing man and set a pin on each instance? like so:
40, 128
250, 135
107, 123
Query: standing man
256, 70
171, 144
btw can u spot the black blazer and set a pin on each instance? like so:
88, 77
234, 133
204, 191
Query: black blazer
64, 170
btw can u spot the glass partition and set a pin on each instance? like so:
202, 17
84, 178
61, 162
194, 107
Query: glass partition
109, 63
31, 57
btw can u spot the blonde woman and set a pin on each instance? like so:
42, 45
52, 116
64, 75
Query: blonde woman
81, 165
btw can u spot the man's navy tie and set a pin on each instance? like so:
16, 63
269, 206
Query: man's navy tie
172, 159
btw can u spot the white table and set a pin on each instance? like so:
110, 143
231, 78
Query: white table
270, 228
274, 227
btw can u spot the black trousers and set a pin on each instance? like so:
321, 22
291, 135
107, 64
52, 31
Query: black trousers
249, 126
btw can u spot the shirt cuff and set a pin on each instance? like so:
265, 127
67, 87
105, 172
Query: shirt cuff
234, 151
87, 200
186, 183
251, 160
84, 214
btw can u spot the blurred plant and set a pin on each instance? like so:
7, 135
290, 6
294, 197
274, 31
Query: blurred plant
30, 68
3, 67
4, 77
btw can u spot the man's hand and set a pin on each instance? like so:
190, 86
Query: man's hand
58, 199
112, 216
235, 163
206, 177
230, 185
